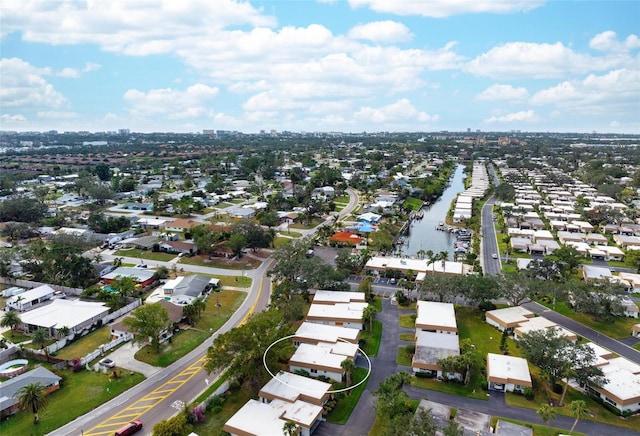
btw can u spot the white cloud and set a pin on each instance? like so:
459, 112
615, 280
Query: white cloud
381, 31
12, 119
499, 92
608, 42
400, 112
614, 92
445, 8
56, 115
23, 86
527, 59
170, 103
522, 116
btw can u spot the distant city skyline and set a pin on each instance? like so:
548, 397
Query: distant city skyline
326, 65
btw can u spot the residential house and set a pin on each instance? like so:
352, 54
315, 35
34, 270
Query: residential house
290, 387
178, 247
8, 402
322, 359
256, 418
142, 276
242, 212
436, 317
612, 253
76, 315
541, 323
622, 389
30, 298
508, 318
185, 289
430, 348
340, 314
181, 225
506, 428
627, 242
312, 333
635, 331
507, 373
333, 297
591, 273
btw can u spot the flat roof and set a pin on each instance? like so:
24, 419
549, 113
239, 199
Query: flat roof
330, 297
32, 295
63, 313
508, 369
622, 383
291, 387
510, 316
300, 412
255, 418
430, 347
141, 274
327, 333
417, 265
313, 355
340, 311
435, 314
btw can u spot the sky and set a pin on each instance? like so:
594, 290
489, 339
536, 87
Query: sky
325, 65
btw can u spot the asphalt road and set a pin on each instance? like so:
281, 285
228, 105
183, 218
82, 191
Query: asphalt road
489, 246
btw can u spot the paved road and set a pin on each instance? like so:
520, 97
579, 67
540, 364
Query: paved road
584, 331
489, 245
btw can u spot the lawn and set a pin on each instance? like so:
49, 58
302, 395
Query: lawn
16, 336
409, 337
186, 340
370, 343
538, 429
290, 234
234, 400
314, 222
346, 403
146, 254
403, 357
235, 281
80, 394
408, 320
219, 262
86, 344
637, 346
412, 203
279, 241
619, 328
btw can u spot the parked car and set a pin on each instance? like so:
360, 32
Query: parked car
494, 255
107, 363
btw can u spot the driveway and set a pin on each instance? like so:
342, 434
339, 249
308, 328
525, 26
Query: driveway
123, 357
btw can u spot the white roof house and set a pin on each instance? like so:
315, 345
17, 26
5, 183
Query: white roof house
592, 273
292, 387
341, 314
507, 373
312, 333
73, 314
508, 318
256, 418
436, 317
332, 297
622, 389
541, 323
30, 298
318, 360
383, 263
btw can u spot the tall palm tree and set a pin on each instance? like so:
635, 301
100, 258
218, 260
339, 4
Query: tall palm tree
347, 366
443, 256
11, 319
40, 338
429, 254
290, 428
63, 331
578, 410
547, 414
32, 397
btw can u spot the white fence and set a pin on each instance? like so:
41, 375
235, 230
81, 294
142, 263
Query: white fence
30, 285
123, 310
6, 355
104, 348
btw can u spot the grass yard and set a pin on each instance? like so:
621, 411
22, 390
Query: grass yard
637, 346
186, 340
86, 344
408, 320
235, 281
80, 393
620, 328
279, 241
403, 357
16, 336
370, 343
290, 234
412, 203
314, 222
244, 262
146, 255
341, 413
409, 337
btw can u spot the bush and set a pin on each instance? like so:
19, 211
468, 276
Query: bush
486, 306
557, 388
484, 385
411, 349
402, 300
529, 393
214, 405
75, 364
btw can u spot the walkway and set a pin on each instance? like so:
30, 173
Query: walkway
384, 365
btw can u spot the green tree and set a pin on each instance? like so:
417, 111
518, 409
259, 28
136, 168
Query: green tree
124, 288
366, 288
290, 428
632, 257
547, 414
237, 243
579, 410
32, 397
177, 426
39, 339
391, 399
347, 366
569, 259
148, 321
103, 172
12, 320
368, 316
241, 349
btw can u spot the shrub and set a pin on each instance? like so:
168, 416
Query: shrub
76, 364
411, 349
484, 385
486, 306
214, 405
557, 388
529, 393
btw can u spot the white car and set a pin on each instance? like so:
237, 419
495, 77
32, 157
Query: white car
107, 363
494, 255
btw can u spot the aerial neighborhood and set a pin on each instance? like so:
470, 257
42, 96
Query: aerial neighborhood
319, 284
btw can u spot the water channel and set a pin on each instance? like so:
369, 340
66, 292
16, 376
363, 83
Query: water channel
422, 234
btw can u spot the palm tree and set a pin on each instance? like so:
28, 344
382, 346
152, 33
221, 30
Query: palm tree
40, 338
199, 305
578, 410
63, 331
117, 262
368, 315
547, 414
290, 429
429, 254
443, 256
11, 319
189, 312
98, 258
32, 397
347, 366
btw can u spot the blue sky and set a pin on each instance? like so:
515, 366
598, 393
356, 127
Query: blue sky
302, 65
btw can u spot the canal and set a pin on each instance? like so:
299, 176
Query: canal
422, 234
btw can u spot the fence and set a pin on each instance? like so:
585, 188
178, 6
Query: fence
104, 348
123, 310
30, 285
6, 355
